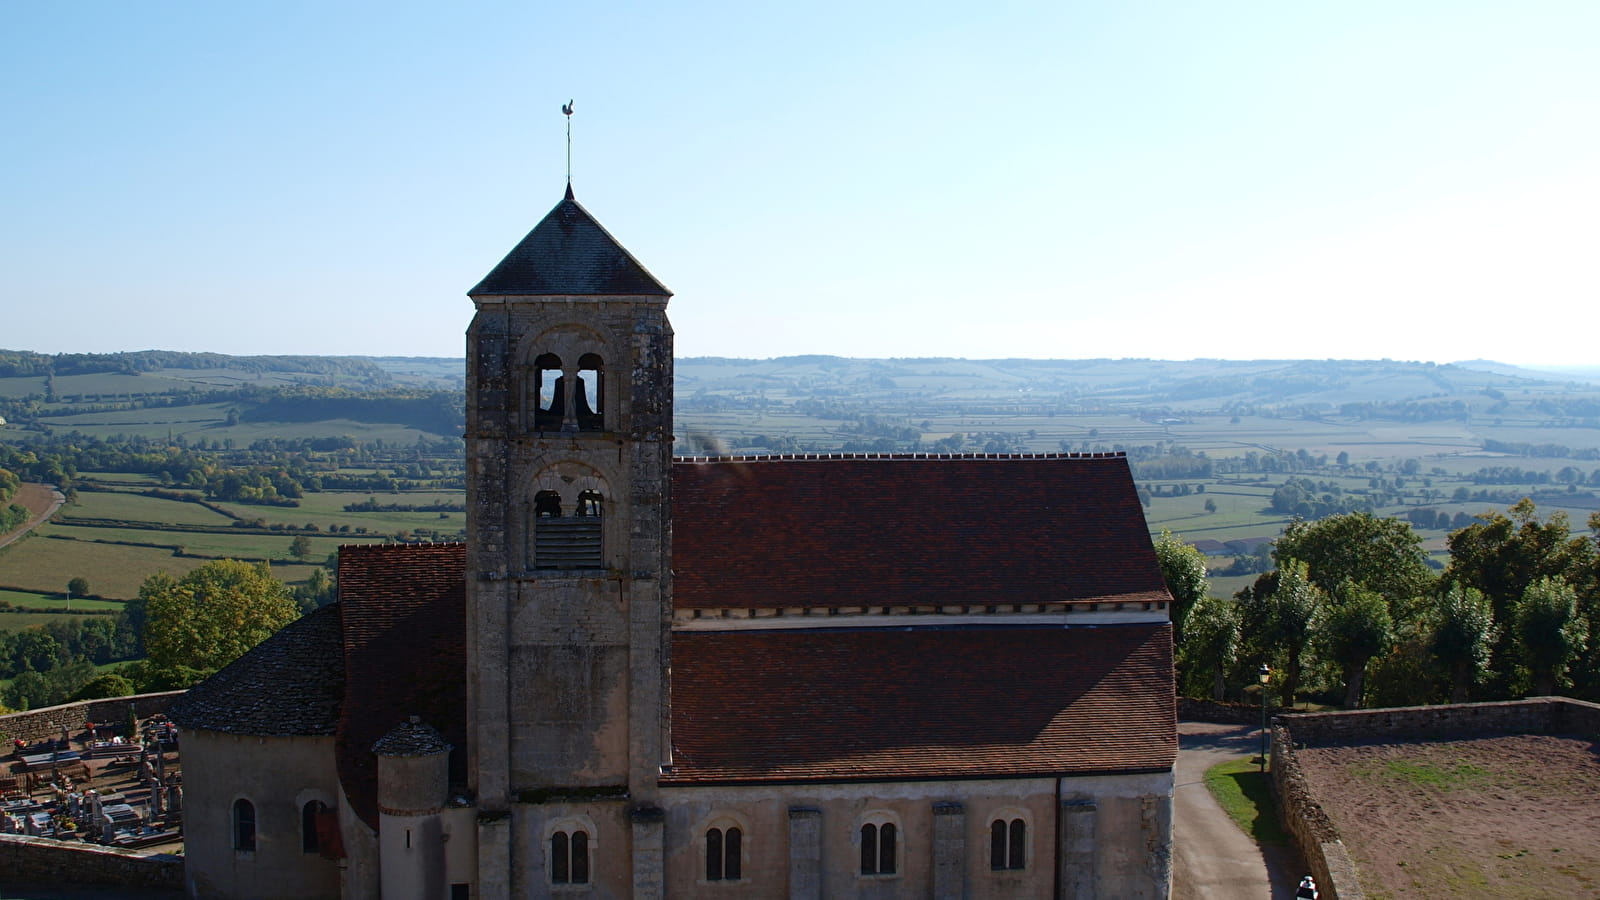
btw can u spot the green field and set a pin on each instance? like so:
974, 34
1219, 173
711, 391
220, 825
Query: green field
326, 509
40, 564
247, 545
138, 508
15, 621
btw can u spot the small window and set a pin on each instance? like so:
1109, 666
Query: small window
548, 386
461, 891
244, 825
569, 857
723, 848
1008, 844
877, 848
309, 841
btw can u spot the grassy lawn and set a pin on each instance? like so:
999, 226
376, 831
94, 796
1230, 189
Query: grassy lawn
1246, 794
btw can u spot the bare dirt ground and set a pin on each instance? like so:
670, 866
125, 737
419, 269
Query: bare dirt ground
1499, 818
42, 499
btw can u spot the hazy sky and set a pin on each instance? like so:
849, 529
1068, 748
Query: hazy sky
1186, 179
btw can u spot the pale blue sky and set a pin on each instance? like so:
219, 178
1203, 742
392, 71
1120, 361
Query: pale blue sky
1163, 179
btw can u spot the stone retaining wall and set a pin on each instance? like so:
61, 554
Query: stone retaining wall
1308, 825
1535, 715
1302, 815
46, 723
35, 860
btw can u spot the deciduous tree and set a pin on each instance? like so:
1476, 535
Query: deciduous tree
1354, 627
1550, 631
212, 615
1463, 633
1290, 610
1377, 553
1210, 645
1184, 569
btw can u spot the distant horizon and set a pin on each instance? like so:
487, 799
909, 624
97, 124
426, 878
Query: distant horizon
1034, 180
1538, 367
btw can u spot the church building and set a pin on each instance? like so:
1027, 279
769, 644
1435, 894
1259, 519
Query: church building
648, 676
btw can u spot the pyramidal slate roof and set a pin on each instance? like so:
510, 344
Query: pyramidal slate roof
569, 253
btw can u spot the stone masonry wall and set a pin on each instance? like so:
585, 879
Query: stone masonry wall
1536, 715
1308, 825
1193, 710
1302, 815
45, 861
46, 723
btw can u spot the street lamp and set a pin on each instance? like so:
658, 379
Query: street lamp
1263, 675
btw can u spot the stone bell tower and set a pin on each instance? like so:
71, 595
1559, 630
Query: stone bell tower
569, 446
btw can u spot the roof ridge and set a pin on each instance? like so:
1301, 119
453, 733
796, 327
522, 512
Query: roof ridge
840, 455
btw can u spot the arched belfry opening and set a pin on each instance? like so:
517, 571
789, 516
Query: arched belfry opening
589, 393
549, 405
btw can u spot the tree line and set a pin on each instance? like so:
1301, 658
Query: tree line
1352, 615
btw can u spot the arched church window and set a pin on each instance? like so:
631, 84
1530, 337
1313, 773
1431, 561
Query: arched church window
548, 386
244, 825
878, 848
309, 842
569, 857
588, 394
1008, 844
724, 848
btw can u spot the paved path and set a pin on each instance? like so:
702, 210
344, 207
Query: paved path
1212, 858
43, 499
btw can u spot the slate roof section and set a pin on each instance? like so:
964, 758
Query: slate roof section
569, 253
412, 739
289, 685
888, 704
897, 530
404, 621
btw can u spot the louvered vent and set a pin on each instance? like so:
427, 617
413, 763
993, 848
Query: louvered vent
567, 542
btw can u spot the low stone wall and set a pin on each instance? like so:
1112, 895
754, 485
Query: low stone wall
1192, 710
1308, 824
46, 723
1536, 715
44, 861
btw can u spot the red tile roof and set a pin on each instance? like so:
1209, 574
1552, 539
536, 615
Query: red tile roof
404, 621
885, 704
869, 531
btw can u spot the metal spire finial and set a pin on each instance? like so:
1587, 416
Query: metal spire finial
566, 110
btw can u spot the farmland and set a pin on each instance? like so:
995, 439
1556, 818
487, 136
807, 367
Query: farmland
1212, 444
